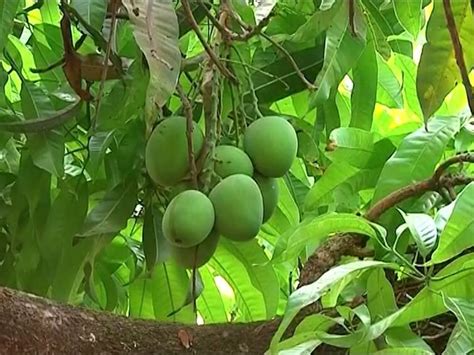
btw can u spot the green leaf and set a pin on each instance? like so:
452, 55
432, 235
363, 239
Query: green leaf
352, 145
405, 337
250, 302
260, 271
408, 351
155, 246
110, 215
389, 92
98, 145
453, 280
315, 229
342, 50
416, 157
169, 286
155, 27
409, 14
458, 342
309, 294
423, 229
211, 304
322, 191
380, 297
316, 24
409, 68
92, 11
464, 312
8, 10
47, 151
457, 234
65, 219
437, 71
364, 92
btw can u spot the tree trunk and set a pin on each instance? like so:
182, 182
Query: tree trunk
29, 324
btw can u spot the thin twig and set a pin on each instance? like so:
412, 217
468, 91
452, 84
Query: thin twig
458, 53
223, 30
434, 183
188, 111
287, 54
192, 21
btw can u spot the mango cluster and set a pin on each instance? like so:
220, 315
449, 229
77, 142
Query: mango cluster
244, 197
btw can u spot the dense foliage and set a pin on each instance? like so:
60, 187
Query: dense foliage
379, 96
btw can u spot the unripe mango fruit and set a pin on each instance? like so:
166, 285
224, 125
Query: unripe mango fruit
166, 155
270, 192
188, 219
271, 143
230, 160
198, 255
238, 206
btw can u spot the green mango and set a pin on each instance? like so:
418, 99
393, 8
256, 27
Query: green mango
166, 154
198, 255
188, 219
238, 206
230, 160
271, 143
270, 192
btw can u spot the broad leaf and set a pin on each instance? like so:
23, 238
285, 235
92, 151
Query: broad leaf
389, 92
110, 215
261, 273
364, 92
308, 294
459, 342
409, 14
92, 11
464, 312
156, 32
342, 50
457, 234
313, 230
352, 145
423, 230
438, 72
322, 191
380, 297
416, 157
8, 10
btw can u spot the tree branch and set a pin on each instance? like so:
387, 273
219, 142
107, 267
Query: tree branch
192, 21
458, 52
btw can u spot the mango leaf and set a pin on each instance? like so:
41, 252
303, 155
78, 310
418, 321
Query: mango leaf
98, 145
408, 68
261, 273
276, 79
423, 230
47, 151
380, 297
322, 191
316, 229
110, 215
250, 301
416, 157
64, 220
352, 145
409, 14
407, 351
156, 32
169, 286
389, 92
457, 234
406, 338
309, 294
458, 342
211, 303
364, 92
464, 312
342, 50
317, 23
92, 11
8, 10
454, 280
437, 71
195, 288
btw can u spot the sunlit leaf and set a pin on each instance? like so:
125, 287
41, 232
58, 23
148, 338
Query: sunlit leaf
409, 14
423, 229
